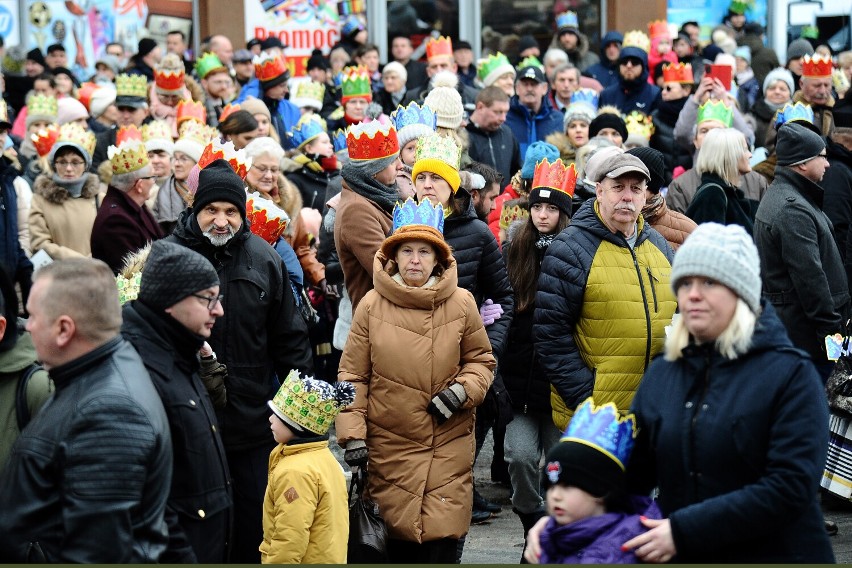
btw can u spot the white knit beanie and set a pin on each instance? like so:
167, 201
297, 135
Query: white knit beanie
70, 109
445, 100
190, 148
398, 68
779, 74
102, 97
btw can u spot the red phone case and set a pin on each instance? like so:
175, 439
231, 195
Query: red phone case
722, 72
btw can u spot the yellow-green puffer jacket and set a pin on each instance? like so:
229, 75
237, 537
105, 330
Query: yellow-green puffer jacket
601, 311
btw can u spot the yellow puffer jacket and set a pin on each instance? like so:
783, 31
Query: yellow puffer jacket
601, 312
306, 508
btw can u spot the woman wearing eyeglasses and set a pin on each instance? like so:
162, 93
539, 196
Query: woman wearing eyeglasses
65, 197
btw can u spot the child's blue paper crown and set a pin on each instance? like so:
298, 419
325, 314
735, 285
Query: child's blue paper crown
306, 130
567, 20
588, 96
603, 428
798, 111
412, 213
339, 140
414, 114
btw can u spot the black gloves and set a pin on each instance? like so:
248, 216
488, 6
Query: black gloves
356, 453
447, 402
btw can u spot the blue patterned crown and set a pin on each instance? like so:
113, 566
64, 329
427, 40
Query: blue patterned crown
414, 114
603, 428
567, 20
412, 213
339, 140
588, 96
798, 111
309, 127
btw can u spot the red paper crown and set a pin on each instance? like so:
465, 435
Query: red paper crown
85, 92
678, 73
555, 176
217, 151
191, 110
44, 139
268, 67
371, 141
169, 79
126, 133
440, 47
228, 111
816, 66
658, 28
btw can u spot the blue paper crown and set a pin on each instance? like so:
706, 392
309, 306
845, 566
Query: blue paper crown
414, 114
798, 111
588, 96
339, 140
603, 428
306, 130
412, 213
567, 20
351, 24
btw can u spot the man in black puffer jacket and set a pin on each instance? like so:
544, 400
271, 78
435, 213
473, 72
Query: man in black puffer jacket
491, 141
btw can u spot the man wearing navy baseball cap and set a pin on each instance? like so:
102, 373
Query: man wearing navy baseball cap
531, 116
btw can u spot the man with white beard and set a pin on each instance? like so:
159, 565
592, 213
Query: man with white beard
260, 336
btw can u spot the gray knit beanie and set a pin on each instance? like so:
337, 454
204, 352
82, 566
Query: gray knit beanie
798, 49
779, 74
796, 144
173, 272
724, 253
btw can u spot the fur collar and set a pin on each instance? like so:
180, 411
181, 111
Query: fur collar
52, 192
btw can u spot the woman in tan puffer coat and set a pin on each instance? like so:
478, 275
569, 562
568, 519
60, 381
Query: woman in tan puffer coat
420, 361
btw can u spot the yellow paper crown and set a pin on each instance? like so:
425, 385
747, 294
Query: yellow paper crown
44, 105
156, 130
131, 86
512, 213
194, 131
637, 38
640, 124
129, 157
74, 133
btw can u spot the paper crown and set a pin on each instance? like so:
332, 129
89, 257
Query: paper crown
43, 105
414, 114
268, 66
266, 219
338, 140
816, 66
715, 110
74, 133
439, 47
126, 133
351, 24
208, 63
128, 288
640, 124
790, 112
411, 213
4, 114
603, 428
739, 6
191, 110
129, 156
308, 128
217, 150
678, 73
588, 96
567, 20
512, 213
441, 148
44, 139
156, 130
85, 92
194, 131
530, 61
169, 80
493, 67
131, 86
310, 404
355, 83
839, 80
371, 141
658, 28
809, 32
637, 38
555, 176
308, 94
228, 111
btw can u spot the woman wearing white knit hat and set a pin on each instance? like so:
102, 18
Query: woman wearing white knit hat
445, 100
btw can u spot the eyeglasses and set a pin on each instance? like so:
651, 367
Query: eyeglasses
149, 177
212, 301
183, 158
72, 163
264, 170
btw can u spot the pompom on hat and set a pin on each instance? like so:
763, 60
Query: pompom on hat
308, 406
445, 100
536, 152
440, 155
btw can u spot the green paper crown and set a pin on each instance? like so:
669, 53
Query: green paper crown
206, 64
739, 6
715, 110
441, 148
42, 105
131, 86
531, 61
311, 404
356, 83
496, 64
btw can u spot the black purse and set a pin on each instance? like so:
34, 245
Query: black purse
367, 531
838, 387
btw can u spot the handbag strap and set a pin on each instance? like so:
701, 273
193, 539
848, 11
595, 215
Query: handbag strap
359, 482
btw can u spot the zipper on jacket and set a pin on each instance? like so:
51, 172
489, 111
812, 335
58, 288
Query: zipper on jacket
491, 149
651, 279
644, 301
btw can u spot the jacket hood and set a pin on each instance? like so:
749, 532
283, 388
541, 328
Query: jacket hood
610, 37
413, 298
838, 152
567, 152
582, 44
588, 218
54, 193
19, 357
468, 212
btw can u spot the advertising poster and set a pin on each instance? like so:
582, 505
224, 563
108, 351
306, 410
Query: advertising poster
9, 28
709, 13
302, 25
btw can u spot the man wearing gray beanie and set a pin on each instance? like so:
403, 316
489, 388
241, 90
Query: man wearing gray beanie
803, 273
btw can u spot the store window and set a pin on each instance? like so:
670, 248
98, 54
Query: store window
418, 19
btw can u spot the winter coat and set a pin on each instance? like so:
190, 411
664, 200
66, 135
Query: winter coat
674, 155
764, 117
823, 114
385, 100
313, 527
365, 226
261, 334
406, 345
684, 131
837, 202
498, 149
748, 93
682, 190
673, 226
61, 224
13, 258
737, 448
581, 316
284, 114
802, 270
88, 479
580, 56
13, 363
122, 226
763, 59
312, 185
628, 96
169, 204
597, 540
529, 128
201, 488
327, 252
481, 269
604, 72
567, 151
717, 201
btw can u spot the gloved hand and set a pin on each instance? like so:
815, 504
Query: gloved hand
471, 180
213, 374
447, 402
356, 453
490, 312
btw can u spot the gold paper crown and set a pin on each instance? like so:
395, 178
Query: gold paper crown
640, 124
678, 73
43, 105
310, 404
194, 131
816, 66
131, 86
512, 213
309, 90
156, 130
439, 47
658, 28
637, 38
74, 133
129, 157
441, 148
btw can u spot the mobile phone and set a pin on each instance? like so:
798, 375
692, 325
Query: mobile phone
722, 72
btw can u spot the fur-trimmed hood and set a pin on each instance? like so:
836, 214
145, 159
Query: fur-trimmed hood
54, 193
582, 45
566, 150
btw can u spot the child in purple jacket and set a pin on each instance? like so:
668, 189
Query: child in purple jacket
591, 516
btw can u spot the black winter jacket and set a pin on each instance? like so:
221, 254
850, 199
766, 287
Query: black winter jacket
480, 268
663, 139
717, 201
737, 448
88, 478
763, 116
498, 149
312, 185
837, 204
261, 334
201, 487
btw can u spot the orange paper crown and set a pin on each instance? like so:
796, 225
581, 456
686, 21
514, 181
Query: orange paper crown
267, 220
228, 111
268, 66
371, 141
658, 28
44, 139
816, 66
169, 80
216, 150
85, 92
126, 133
440, 47
555, 176
191, 110
678, 73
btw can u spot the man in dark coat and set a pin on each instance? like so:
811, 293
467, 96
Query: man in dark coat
531, 118
801, 267
12, 256
88, 478
632, 91
261, 336
124, 224
178, 305
491, 141
606, 70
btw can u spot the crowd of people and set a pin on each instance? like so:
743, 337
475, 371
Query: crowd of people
624, 266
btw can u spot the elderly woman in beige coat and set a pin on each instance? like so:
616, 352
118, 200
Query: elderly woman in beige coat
420, 361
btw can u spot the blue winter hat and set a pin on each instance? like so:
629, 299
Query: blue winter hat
633, 51
536, 152
612, 37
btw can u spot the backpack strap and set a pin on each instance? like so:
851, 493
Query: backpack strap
722, 189
22, 408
